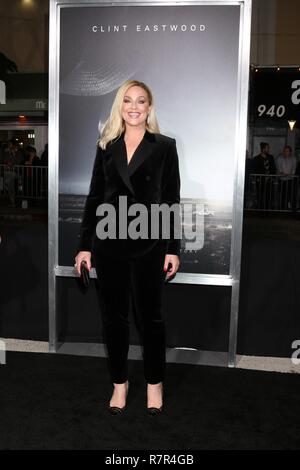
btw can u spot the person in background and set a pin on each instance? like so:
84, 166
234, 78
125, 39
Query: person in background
247, 185
30, 176
31, 157
44, 174
286, 164
44, 156
19, 153
10, 177
264, 164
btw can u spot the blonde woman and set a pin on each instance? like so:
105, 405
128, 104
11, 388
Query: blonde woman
134, 163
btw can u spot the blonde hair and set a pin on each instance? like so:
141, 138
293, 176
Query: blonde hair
114, 125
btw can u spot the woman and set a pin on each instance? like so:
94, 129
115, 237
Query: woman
136, 162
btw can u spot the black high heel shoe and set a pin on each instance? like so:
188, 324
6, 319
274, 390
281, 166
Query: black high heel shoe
116, 410
152, 410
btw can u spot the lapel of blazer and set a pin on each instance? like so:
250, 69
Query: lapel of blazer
142, 152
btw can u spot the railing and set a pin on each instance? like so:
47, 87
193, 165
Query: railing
262, 192
272, 192
24, 181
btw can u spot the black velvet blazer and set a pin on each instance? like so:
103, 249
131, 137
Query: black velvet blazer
152, 176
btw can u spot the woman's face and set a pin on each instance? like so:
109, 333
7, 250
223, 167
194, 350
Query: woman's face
135, 106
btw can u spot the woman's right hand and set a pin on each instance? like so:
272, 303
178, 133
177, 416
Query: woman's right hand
83, 256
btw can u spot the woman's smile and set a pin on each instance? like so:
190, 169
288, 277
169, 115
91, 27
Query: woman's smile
134, 115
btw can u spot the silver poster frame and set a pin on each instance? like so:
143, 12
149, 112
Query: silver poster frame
233, 279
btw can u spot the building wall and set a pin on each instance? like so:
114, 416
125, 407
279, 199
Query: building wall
24, 33
275, 32
288, 32
263, 32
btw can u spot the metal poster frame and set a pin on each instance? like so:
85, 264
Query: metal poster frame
233, 279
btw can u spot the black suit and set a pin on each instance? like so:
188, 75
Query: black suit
265, 188
152, 176
133, 265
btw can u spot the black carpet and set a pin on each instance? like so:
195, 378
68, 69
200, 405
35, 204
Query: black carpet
53, 401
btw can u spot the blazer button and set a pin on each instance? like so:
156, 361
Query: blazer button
148, 178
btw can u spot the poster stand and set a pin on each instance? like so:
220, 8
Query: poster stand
233, 278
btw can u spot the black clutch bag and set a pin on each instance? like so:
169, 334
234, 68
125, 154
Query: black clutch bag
85, 275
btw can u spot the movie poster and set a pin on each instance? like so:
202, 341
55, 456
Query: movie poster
188, 56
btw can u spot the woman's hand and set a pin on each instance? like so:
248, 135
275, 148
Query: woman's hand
83, 256
174, 261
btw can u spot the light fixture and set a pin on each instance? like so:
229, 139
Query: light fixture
292, 124
27, 3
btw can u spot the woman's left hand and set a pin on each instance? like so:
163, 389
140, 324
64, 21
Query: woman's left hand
172, 260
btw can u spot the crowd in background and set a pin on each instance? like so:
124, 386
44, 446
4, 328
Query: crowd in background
12, 153
265, 163
21, 171
281, 192
261, 192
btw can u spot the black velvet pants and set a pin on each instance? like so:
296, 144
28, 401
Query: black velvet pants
143, 278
